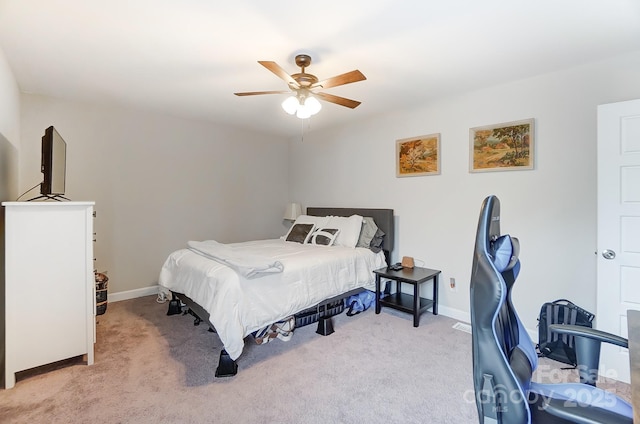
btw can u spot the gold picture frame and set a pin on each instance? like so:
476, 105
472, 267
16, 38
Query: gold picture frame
502, 147
416, 156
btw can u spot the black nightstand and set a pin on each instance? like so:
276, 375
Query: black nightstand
406, 302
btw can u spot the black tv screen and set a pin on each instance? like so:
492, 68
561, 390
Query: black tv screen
54, 158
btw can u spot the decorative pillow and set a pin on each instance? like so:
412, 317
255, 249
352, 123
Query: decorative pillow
324, 236
300, 233
367, 233
349, 229
318, 221
376, 241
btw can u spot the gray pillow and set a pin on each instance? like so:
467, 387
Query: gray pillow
367, 233
376, 241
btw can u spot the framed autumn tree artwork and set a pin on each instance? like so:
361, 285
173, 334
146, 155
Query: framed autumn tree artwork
502, 147
418, 156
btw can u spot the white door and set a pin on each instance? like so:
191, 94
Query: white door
618, 228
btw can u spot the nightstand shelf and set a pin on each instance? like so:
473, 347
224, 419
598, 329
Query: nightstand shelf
413, 304
404, 302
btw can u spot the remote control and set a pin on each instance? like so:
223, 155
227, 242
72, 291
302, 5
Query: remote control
396, 267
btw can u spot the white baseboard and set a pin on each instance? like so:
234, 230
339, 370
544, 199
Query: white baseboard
457, 314
132, 294
465, 317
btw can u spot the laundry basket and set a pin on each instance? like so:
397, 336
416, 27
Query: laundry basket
102, 281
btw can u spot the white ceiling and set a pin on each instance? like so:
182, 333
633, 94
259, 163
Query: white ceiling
188, 57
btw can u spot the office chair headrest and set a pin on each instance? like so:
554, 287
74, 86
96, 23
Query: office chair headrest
504, 252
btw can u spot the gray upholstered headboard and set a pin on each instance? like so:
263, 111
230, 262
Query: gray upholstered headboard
382, 217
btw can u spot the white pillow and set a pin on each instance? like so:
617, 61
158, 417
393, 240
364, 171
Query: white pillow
324, 236
349, 229
318, 221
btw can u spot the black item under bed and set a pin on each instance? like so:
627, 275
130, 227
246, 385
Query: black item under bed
311, 315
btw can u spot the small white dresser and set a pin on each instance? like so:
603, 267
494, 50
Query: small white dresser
49, 284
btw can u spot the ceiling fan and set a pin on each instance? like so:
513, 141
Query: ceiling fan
306, 87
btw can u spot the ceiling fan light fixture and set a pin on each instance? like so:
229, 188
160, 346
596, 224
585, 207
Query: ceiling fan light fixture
303, 106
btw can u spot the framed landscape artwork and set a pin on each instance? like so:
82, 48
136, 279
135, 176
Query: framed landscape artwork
502, 147
417, 156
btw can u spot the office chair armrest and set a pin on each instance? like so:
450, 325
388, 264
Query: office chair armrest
591, 333
567, 410
587, 344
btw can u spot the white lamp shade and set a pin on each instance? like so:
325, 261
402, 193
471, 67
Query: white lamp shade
313, 105
293, 211
303, 112
290, 105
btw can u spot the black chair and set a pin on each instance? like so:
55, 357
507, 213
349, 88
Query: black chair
504, 357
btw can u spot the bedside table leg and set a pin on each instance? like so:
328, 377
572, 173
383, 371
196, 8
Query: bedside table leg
377, 293
416, 305
435, 295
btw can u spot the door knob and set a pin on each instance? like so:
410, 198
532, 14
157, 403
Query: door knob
608, 254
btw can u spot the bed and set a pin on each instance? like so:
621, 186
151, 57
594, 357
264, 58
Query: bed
240, 288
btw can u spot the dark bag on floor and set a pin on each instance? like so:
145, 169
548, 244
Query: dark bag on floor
560, 347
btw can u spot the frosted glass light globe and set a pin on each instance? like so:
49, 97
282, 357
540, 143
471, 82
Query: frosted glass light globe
312, 105
290, 105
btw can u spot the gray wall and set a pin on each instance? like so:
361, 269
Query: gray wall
158, 182
9, 131
552, 209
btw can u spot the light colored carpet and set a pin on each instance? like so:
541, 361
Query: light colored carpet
154, 368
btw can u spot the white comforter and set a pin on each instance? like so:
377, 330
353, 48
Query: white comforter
239, 306
248, 266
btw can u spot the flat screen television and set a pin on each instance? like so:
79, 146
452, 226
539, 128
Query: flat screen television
54, 163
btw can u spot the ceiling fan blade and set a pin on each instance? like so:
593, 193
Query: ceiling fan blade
255, 93
348, 78
338, 100
281, 73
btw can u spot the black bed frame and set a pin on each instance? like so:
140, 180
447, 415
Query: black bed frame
227, 367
